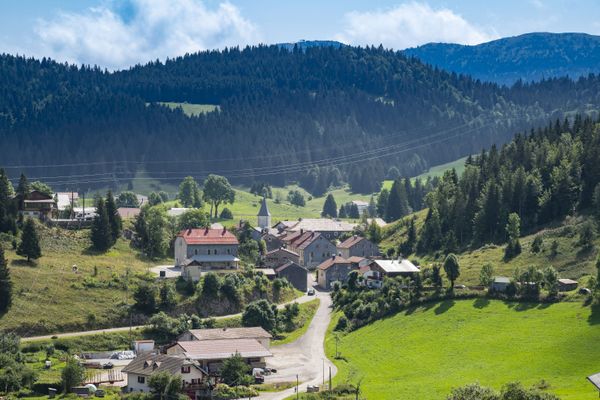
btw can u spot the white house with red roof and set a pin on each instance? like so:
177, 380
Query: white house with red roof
206, 249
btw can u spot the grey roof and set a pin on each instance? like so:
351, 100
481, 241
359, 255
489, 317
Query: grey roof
319, 225
230, 333
222, 349
264, 210
398, 266
290, 264
595, 380
148, 364
501, 279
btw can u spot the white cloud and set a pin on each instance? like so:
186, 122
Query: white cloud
120, 34
409, 25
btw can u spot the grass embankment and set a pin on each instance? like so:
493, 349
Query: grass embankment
571, 261
301, 322
424, 352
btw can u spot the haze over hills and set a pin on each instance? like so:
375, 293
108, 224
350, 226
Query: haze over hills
529, 57
319, 116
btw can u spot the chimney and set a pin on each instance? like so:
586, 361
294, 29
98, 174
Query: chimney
224, 231
189, 232
301, 231
206, 230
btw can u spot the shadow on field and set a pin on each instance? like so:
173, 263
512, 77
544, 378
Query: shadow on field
594, 318
481, 302
444, 306
23, 263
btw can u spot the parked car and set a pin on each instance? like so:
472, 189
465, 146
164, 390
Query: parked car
585, 291
108, 365
99, 393
311, 292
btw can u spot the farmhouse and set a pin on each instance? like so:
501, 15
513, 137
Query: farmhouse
255, 333
357, 246
210, 354
201, 250
500, 284
312, 247
334, 269
277, 257
361, 205
391, 268
330, 228
295, 274
566, 285
38, 205
193, 377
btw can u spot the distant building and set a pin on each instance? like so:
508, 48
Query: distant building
566, 285
334, 269
139, 371
331, 229
391, 268
357, 246
38, 205
277, 257
201, 250
500, 284
361, 205
66, 200
378, 221
128, 212
264, 216
256, 333
295, 274
272, 239
312, 247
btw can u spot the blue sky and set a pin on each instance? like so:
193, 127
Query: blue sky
119, 33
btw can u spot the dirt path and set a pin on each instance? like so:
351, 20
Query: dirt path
305, 357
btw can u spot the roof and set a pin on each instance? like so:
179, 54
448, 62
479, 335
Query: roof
351, 241
209, 350
501, 279
289, 264
378, 221
306, 239
211, 258
281, 249
265, 271
39, 201
319, 225
264, 210
128, 212
331, 261
356, 259
230, 333
148, 364
595, 380
566, 281
396, 266
360, 203
63, 199
208, 236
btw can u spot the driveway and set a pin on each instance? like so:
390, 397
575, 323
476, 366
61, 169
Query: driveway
305, 357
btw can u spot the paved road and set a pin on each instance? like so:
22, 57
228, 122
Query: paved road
302, 299
305, 357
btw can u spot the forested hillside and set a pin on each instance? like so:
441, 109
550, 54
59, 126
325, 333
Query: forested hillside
535, 179
529, 57
319, 115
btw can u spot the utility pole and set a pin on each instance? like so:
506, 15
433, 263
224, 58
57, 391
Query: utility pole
323, 372
330, 379
297, 390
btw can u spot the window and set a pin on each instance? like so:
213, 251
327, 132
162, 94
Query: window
208, 251
196, 252
228, 251
141, 379
215, 251
185, 369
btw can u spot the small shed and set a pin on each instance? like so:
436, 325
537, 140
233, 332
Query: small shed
566, 285
268, 272
500, 284
143, 346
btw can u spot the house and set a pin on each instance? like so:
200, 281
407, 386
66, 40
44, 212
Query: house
256, 333
391, 268
38, 205
334, 269
357, 246
272, 239
193, 377
277, 257
358, 262
210, 354
128, 212
295, 274
500, 284
143, 346
312, 247
264, 216
566, 285
331, 229
269, 273
361, 205
205, 249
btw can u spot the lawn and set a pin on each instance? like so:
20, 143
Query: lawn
425, 352
302, 321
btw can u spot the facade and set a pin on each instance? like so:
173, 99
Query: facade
264, 216
566, 285
272, 240
38, 205
201, 250
312, 247
295, 274
210, 354
361, 205
357, 246
334, 269
391, 268
256, 333
139, 371
277, 257
500, 284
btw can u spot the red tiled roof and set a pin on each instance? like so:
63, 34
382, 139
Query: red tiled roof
351, 241
306, 239
356, 259
208, 236
332, 261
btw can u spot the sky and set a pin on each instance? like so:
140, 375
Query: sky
116, 34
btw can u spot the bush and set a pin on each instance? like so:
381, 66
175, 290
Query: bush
226, 214
342, 324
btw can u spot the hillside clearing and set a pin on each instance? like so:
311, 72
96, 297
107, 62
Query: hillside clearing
424, 352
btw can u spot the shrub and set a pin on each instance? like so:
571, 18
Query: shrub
226, 214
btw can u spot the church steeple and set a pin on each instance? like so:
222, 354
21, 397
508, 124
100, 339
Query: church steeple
264, 216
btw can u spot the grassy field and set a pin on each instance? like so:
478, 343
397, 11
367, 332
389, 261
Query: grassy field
425, 352
191, 110
438, 170
302, 321
571, 261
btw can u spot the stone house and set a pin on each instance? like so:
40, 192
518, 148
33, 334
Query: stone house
295, 274
334, 269
357, 246
277, 257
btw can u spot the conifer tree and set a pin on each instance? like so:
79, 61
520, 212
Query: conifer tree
397, 205
101, 232
30, 242
342, 212
5, 284
329, 208
23, 188
114, 219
